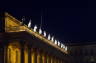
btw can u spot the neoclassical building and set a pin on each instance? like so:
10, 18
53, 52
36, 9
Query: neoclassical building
20, 44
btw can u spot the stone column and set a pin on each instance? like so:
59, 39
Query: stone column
58, 60
33, 55
38, 56
26, 54
54, 59
47, 58
51, 59
44, 60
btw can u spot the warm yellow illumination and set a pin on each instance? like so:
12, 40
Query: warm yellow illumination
51, 59
14, 25
47, 59
26, 55
33, 56
13, 53
38, 57
43, 58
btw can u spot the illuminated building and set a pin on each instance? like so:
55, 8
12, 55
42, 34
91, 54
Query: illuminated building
21, 44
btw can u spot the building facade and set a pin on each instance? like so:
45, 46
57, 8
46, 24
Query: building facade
20, 44
82, 52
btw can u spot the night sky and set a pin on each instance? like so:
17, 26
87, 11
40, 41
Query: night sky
74, 21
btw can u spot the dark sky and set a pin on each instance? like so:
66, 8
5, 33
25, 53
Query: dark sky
74, 21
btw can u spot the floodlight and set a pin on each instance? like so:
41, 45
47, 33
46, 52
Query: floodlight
49, 37
52, 39
44, 34
40, 31
66, 48
35, 28
56, 42
29, 24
